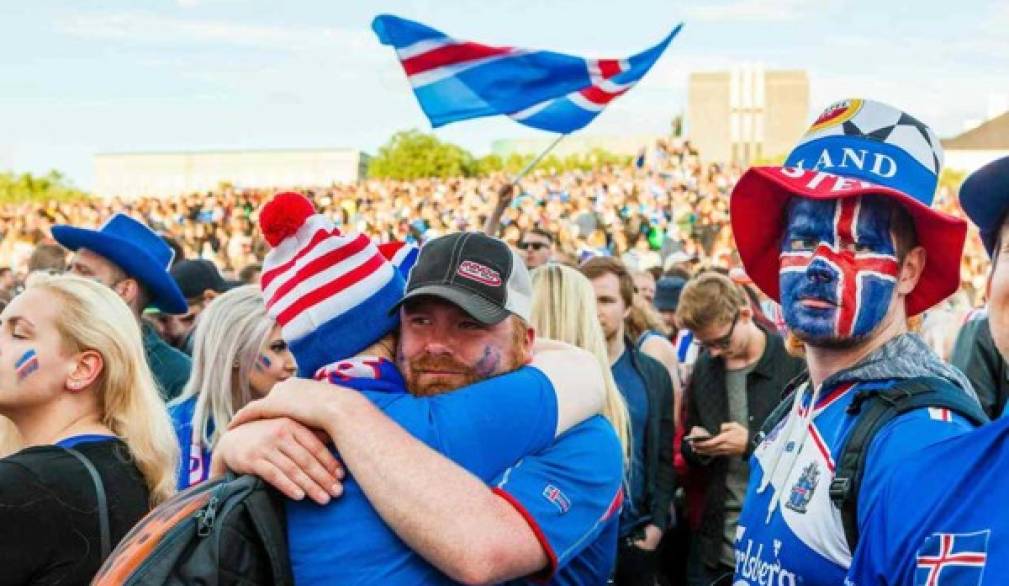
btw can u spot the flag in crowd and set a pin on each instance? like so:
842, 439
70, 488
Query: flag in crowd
458, 80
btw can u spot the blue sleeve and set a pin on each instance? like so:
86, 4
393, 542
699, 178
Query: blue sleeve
872, 561
488, 426
571, 492
897, 442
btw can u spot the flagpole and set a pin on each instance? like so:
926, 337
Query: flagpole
493, 222
525, 170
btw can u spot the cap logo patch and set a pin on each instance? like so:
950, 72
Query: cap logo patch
836, 114
475, 271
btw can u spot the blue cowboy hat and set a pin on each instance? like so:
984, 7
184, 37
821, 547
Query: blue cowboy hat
136, 249
984, 196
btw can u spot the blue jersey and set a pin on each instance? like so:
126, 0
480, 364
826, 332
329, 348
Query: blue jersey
790, 532
570, 494
940, 519
194, 463
485, 428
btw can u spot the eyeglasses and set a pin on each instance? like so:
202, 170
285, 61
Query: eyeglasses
723, 342
532, 245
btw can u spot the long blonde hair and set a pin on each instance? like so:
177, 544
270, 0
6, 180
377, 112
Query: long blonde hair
92, 317
564, 308
229, 333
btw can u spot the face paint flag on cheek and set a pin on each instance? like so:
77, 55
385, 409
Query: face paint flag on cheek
263, 362
27, 364
838, 268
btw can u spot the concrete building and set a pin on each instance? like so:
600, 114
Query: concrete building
747, 114
972, 149
131, 175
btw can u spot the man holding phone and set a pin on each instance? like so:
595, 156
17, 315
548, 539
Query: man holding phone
737, 382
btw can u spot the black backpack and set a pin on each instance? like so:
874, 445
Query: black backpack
877, 407
229, 530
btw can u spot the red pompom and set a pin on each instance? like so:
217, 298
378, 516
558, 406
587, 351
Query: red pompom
283, 215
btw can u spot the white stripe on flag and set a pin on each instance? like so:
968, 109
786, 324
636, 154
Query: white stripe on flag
313, 317
531, 110
579, 100
424, 46
424, 78
611, 87
279, 304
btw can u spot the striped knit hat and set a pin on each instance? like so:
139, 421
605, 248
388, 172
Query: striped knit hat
331, 293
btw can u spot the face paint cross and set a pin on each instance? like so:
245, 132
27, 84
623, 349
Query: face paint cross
838, 268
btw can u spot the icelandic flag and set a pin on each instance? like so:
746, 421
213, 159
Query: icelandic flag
951, 558
458, 80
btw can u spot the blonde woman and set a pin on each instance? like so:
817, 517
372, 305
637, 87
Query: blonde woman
238, 355
75, 384
564, 309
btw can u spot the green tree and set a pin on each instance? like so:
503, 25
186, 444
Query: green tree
412, 154
22, 187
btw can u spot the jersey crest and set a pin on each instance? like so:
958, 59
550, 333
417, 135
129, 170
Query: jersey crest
802, 490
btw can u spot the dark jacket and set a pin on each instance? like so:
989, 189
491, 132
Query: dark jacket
660, 478
169, 366
975, 354
708, 407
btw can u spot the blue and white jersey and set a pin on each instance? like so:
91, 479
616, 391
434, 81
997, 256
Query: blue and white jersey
789, 531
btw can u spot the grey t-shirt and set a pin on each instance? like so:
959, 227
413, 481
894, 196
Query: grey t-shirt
738, 473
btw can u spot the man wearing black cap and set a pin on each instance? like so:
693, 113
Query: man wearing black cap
133, 261
667, 296
464, 318
200, 282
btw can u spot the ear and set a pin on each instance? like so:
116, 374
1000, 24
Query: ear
911, 270
746, 312
87, 367
208, 295
128, 289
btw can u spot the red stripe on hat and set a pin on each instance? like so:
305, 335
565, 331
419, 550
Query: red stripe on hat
450, 55
322, 263
597, 95
319, 236
331, 288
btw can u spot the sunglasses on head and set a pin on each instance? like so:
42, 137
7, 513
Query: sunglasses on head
723, 342
532, 245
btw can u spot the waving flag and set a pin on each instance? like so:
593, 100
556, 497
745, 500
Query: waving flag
458, 80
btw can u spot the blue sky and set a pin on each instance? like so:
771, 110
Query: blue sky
78, 78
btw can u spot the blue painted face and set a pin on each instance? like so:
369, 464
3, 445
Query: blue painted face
838, 268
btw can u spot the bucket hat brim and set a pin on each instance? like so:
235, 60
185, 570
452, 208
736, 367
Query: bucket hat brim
757, 209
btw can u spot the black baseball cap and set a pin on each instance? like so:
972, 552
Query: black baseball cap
480, 274
984, 197
667, 293
197, 275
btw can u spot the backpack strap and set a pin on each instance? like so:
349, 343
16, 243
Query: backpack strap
781, 411
101, 500
266, 510
876, 407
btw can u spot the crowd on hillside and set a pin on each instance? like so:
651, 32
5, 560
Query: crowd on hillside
671, 201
